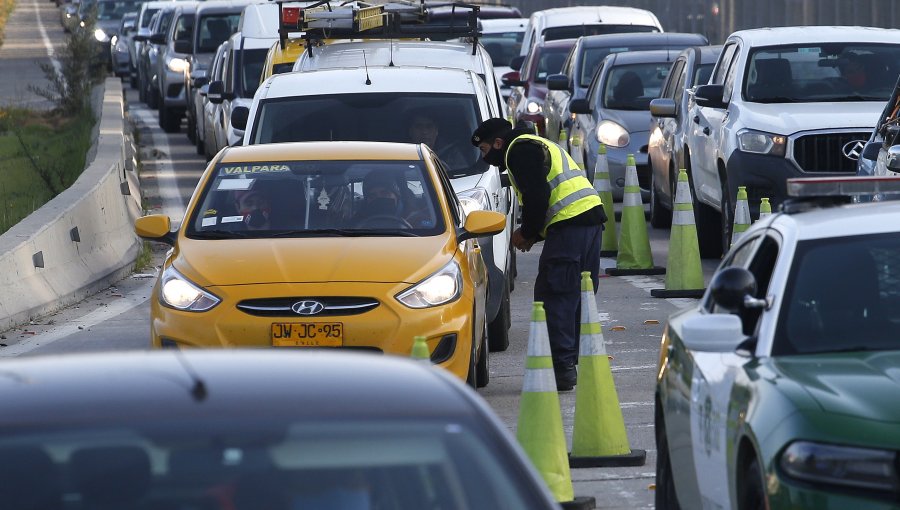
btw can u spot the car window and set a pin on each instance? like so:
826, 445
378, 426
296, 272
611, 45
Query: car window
724, 64
702, 74
251, 67
576, 31
214, 29
736, 257
761, 266
274, 463
672, 80
303, 198
147, 17
842, 294
456, 209
502, 46
549, 61
448, 123
822, 73
184, 28
633, 86
115, 9
730, 76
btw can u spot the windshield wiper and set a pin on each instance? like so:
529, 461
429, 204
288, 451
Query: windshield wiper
218, 234
390, 233
340, 232
854, 97
777, 99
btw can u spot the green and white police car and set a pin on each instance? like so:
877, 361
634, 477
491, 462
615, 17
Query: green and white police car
779, 389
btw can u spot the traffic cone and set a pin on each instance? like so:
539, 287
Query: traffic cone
540, 428
420, 351
765, 208
598, 437
609, 246
684, 275
741, 215
563, 138
634, 256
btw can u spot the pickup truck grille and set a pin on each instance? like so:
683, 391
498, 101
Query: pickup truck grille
823, 152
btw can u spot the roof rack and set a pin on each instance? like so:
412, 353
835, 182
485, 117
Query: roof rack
357, 19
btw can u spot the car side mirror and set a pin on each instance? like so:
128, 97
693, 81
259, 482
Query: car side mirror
715, 332
663, 107
710, 96
158, 38
892, 162
870, 151
515, 63
558, 82
203, 89
183, 47
512, 79
139, 38
156, 227
482, 223
731, 287
580, 106
128, 26
239, 116
216, 92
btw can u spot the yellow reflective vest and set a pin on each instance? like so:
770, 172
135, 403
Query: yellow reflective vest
570, 191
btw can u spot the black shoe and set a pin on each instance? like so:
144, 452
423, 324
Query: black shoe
566, 377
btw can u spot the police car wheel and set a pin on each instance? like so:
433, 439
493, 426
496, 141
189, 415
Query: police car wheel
751, 495
664, 496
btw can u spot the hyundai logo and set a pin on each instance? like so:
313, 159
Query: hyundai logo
307, 307
853, 150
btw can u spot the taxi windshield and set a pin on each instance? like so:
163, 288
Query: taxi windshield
444, 122
843, 294
317, 198
266, 462
633, 86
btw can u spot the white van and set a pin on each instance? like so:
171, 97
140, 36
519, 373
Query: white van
381, 103
574, 22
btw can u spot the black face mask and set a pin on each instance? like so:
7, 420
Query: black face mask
381, 205
495, 157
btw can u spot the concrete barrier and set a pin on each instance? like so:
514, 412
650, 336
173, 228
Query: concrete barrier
83, 239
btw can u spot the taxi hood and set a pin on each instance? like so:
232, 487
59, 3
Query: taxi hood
850, 384
317, 259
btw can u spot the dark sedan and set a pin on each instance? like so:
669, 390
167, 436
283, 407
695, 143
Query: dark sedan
252, 429
529, 80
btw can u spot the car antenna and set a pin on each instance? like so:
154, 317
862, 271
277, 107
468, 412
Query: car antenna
198, 388
391, 43
366, 64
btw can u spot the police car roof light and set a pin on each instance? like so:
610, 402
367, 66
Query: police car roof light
842, 186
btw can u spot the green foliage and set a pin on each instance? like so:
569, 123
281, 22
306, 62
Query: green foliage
6, 8
40, 156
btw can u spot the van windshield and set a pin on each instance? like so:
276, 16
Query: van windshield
444, 122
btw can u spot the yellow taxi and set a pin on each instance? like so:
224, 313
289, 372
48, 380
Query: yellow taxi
281, 60
352, 245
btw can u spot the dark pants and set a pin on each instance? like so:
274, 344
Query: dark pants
568, 250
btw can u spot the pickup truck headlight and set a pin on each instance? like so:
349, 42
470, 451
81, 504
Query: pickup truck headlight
440, 288
612, 134
846, 466
177, 65
475, 199
533, 107
178, 292
757, 142
100, 35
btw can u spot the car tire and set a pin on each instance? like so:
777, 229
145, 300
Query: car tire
201, 142
132, 80
707, 220
191, 129
751, 494
169, 120
664, 496
472, 373
482, 370
660, 216
152, 97
142, 89
498, 329
727, 214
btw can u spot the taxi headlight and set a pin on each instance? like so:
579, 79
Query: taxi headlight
826, 464
178, 292
533, 107
177, 65
612, 134
438, 289
100, 35
475, 199
758, 142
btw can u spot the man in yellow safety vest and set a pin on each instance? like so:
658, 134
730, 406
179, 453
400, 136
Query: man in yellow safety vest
560, 207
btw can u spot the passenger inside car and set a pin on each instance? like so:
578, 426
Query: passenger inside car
423, 128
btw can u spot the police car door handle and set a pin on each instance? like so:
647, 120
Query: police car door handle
706, 130
696, 119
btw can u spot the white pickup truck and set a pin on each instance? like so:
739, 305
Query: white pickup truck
781, 103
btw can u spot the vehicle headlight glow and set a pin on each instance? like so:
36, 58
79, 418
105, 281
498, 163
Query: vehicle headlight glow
100, 35
475, 199
178, 292
440, 288
177, 65
757, 142
847, 466
533, 107
612, 134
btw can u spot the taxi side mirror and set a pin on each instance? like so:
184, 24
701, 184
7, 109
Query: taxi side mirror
481, 223
239, 116
156, 227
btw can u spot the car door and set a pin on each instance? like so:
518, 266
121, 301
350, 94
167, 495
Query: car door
557, 101
208, 109
706, 132
584, 126
664, 129
222, 117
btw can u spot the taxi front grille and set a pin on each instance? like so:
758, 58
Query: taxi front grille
329, 306
824, 152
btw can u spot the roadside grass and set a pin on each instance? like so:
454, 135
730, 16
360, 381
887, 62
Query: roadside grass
6, 7
41, 154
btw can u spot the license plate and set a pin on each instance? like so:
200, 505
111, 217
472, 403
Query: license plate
307, 334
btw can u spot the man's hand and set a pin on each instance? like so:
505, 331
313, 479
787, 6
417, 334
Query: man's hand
519, 241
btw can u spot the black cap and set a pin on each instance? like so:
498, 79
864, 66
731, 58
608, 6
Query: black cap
489, 130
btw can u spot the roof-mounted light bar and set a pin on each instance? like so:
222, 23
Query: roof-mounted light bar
808, 187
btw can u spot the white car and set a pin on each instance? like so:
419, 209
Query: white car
383, 103
574, 22
783, 102
502, 38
